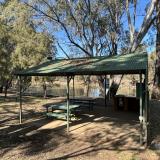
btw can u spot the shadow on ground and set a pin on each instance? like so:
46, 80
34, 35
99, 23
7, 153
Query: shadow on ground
154, 123
97, 130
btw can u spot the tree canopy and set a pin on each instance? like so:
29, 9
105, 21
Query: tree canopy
21, 44
96, 27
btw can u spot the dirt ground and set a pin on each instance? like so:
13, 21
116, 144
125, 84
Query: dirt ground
101, 134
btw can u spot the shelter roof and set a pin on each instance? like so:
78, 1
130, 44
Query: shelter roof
133, 63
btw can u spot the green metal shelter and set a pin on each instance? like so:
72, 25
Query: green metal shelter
133, 63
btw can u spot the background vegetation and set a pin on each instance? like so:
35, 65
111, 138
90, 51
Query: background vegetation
32, 30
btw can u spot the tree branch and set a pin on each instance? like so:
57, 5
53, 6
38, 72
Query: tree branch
131, 27
63, 50
148, 21
57, 19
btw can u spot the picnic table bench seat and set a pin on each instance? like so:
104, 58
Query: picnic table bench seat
64, 106
57, 115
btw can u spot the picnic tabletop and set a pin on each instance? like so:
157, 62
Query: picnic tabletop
63, 106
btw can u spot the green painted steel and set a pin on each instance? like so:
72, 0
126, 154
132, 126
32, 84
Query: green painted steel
68, 107
141, 110
63, 106
20, 100
120, 64
57, 115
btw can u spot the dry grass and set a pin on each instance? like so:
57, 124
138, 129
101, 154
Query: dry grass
99, 134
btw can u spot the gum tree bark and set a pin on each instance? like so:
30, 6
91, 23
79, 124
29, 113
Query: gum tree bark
157, 76
137, 37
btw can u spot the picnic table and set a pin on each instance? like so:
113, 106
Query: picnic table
63, 108
84, 101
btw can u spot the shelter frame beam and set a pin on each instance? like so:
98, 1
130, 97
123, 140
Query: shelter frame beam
20, 99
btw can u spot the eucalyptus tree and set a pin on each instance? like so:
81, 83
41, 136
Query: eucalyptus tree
157, 75
152, 17
94, 27
136, 36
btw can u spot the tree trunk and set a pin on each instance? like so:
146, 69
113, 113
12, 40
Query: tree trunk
114, 86
157, 72
45, 90
88, 87
101, 84
87, 81
5, 91
1, 89
147, 22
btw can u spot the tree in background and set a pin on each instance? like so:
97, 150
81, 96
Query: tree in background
157, 75
22, 44
152, 17
6, 47
137, 35
94, 27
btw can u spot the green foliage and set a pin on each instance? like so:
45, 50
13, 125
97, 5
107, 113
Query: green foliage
30, 46
6, 47
21, 45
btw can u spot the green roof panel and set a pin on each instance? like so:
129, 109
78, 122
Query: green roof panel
120, 64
